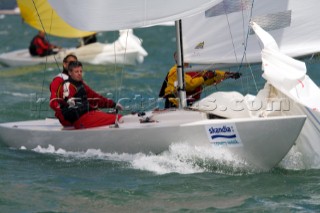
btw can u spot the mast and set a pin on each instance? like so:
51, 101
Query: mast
180, 70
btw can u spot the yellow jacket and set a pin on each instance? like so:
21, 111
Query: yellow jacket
191, 82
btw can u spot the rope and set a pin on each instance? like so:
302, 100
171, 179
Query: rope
46, 62
244, 56
234, 49
118, 92
246, 37
115, 73
35, 7
123, 65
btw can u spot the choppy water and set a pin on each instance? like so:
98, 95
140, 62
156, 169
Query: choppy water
183, 179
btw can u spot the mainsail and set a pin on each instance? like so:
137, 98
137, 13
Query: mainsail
222, 34
106, 15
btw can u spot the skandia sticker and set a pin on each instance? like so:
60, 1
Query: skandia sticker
223, 135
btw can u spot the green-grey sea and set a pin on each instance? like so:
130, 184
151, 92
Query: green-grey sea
47, 179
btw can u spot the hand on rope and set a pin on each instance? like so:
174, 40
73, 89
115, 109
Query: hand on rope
234, 75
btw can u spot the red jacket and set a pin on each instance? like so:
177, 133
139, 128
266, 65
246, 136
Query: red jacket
56, 88
41, 45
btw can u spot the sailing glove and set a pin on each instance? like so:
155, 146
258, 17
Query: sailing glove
234, 75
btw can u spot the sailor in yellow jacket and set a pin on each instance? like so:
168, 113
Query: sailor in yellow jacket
193, 84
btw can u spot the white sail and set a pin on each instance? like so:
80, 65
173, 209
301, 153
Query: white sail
104, 15
290, 82
222, 34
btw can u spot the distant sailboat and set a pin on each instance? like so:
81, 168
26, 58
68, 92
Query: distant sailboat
15, 11
9, 8
127, 49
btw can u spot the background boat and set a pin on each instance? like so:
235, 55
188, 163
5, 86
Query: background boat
8, 7
127, 49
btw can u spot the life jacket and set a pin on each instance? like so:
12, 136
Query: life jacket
163, 87
195, 94
74, 107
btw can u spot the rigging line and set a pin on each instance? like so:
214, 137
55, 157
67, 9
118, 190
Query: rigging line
244, 56
44, 73
42, 25
253, 78
247, 37
123, 64
115, 76
121, 78
234, 48
115, 62
244, 37
35, 7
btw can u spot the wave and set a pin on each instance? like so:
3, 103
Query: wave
180, 158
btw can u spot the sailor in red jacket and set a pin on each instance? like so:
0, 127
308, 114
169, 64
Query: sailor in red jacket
39, 46
54, 86
78, 103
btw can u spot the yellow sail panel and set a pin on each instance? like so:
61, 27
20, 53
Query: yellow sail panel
41, 16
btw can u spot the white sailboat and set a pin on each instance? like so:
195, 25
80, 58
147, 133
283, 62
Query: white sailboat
127, 49
261, 138
295, 32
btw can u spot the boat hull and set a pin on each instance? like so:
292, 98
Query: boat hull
262, 142
23, 58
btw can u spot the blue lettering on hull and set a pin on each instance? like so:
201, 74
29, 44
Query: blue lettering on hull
223, 135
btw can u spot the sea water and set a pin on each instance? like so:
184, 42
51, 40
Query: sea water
182, 179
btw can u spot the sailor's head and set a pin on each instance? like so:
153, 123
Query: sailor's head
42, 33
75, 70
69, 58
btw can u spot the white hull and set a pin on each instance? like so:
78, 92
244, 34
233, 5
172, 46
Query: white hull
126, 50
263, 142
23, 58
